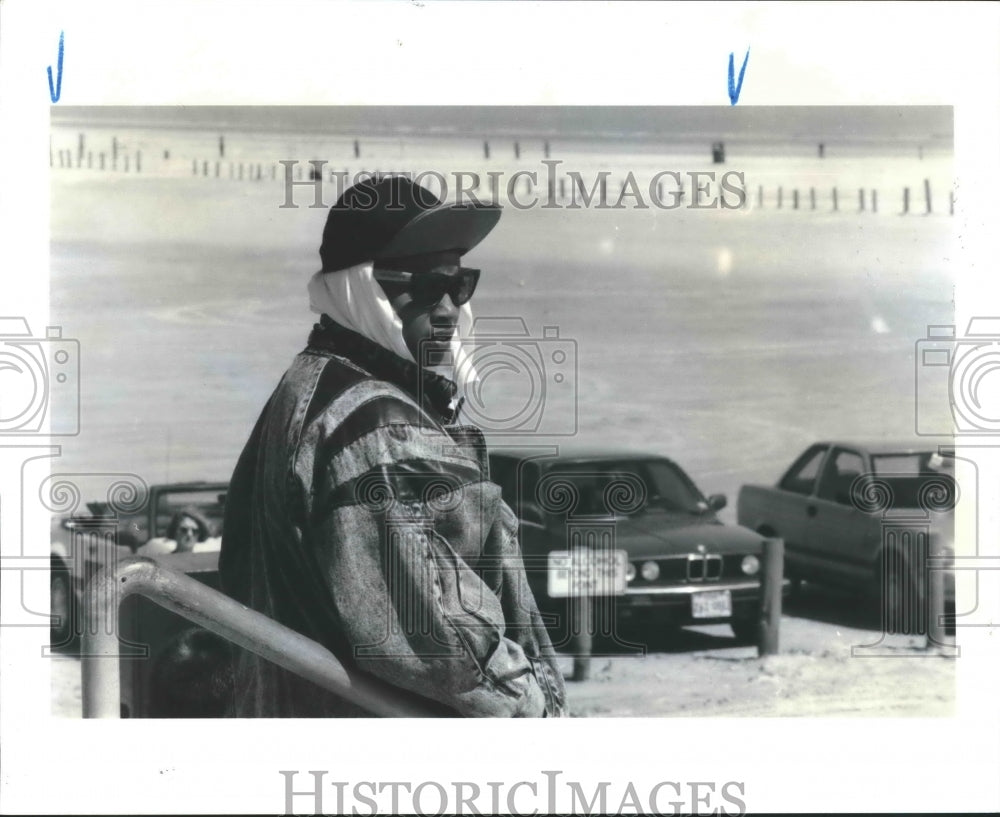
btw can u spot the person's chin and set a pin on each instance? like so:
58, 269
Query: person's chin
437, 352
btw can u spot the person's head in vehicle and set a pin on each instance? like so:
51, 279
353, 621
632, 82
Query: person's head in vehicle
187, 528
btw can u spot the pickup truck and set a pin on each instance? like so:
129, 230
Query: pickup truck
847, 509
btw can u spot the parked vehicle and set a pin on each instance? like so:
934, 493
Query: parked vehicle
635, 532
82, 545
847, 509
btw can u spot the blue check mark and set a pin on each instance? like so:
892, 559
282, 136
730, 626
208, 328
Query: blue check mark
55, 91
736, 87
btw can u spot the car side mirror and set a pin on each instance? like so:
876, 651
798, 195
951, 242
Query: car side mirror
717, 502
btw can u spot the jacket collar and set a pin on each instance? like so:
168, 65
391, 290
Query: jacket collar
436, 392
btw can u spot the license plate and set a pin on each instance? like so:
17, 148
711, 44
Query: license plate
712, 604
587, 572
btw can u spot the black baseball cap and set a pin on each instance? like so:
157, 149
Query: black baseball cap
392, 217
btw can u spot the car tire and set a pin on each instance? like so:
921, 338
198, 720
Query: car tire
62, 634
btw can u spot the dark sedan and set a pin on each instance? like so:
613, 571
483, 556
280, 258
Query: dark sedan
635, 533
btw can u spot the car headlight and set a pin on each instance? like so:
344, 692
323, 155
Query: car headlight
750, 565
650, 571
630, 572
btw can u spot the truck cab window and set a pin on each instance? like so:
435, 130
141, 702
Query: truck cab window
801, 477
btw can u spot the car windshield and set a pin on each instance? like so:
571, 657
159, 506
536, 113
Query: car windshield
208, 501
621, 488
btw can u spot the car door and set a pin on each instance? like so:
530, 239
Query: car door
840, 532
793, 517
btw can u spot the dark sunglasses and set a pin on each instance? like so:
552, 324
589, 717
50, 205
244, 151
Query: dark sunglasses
428, 288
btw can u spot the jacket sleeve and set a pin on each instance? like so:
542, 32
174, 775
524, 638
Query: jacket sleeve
403, 529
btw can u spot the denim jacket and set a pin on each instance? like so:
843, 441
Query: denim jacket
359, 518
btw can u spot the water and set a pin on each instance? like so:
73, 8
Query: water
727, 340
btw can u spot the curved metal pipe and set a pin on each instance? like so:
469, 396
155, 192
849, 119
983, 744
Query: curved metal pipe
222, 615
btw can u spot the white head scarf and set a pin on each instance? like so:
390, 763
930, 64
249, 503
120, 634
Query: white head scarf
354, 299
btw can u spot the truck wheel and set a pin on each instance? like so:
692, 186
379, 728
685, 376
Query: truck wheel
61, 631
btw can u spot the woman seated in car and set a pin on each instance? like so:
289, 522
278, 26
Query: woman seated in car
188, 531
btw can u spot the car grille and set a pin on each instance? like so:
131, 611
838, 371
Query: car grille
691, 568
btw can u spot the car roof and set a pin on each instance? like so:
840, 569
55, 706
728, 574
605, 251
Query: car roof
574, 453
877, 447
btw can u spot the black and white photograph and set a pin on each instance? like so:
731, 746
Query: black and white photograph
670, 417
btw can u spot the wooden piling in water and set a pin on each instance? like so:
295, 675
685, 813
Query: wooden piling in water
795, 199
861, 199
906, 200
835, 204
812, 198
779, 197
927, 195
874, 201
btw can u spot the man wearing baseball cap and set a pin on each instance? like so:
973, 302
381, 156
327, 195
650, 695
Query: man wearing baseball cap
359, 513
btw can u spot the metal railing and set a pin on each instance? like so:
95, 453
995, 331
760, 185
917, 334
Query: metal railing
222, 615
